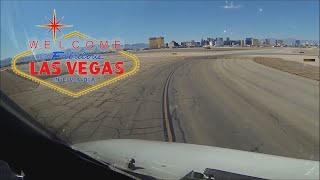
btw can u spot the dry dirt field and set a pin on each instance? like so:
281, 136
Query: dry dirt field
297, 68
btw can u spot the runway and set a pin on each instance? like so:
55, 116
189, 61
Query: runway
215, 98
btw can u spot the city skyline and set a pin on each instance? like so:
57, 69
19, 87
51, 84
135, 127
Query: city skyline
134, 22
219, 42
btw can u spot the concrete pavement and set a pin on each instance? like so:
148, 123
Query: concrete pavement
239, 104
234, 103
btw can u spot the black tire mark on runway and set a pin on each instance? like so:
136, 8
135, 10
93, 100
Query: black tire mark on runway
169, 134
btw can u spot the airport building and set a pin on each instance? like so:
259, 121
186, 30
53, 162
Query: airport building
173, 44
192, 43
297, 43
235, 42
156, 42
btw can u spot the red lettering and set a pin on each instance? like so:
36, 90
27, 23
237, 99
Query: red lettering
103, 45
53, 68
116, 45
94, 70
46, 44
60, 45
90, 46
82, 67
32, 71
57, 69
75, 46
33, 44
71, 69
44, 68
119, 67
106, 68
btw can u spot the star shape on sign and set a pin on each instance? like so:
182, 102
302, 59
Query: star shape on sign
54, 25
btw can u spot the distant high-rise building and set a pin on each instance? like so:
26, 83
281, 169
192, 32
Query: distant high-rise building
241, 42
267, 41
213, 41
279, 42
209, 39
248, 41
203, 42
255, 42
227, 41
297, 43
156, 42
219, 42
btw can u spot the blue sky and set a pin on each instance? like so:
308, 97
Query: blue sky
136, 21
